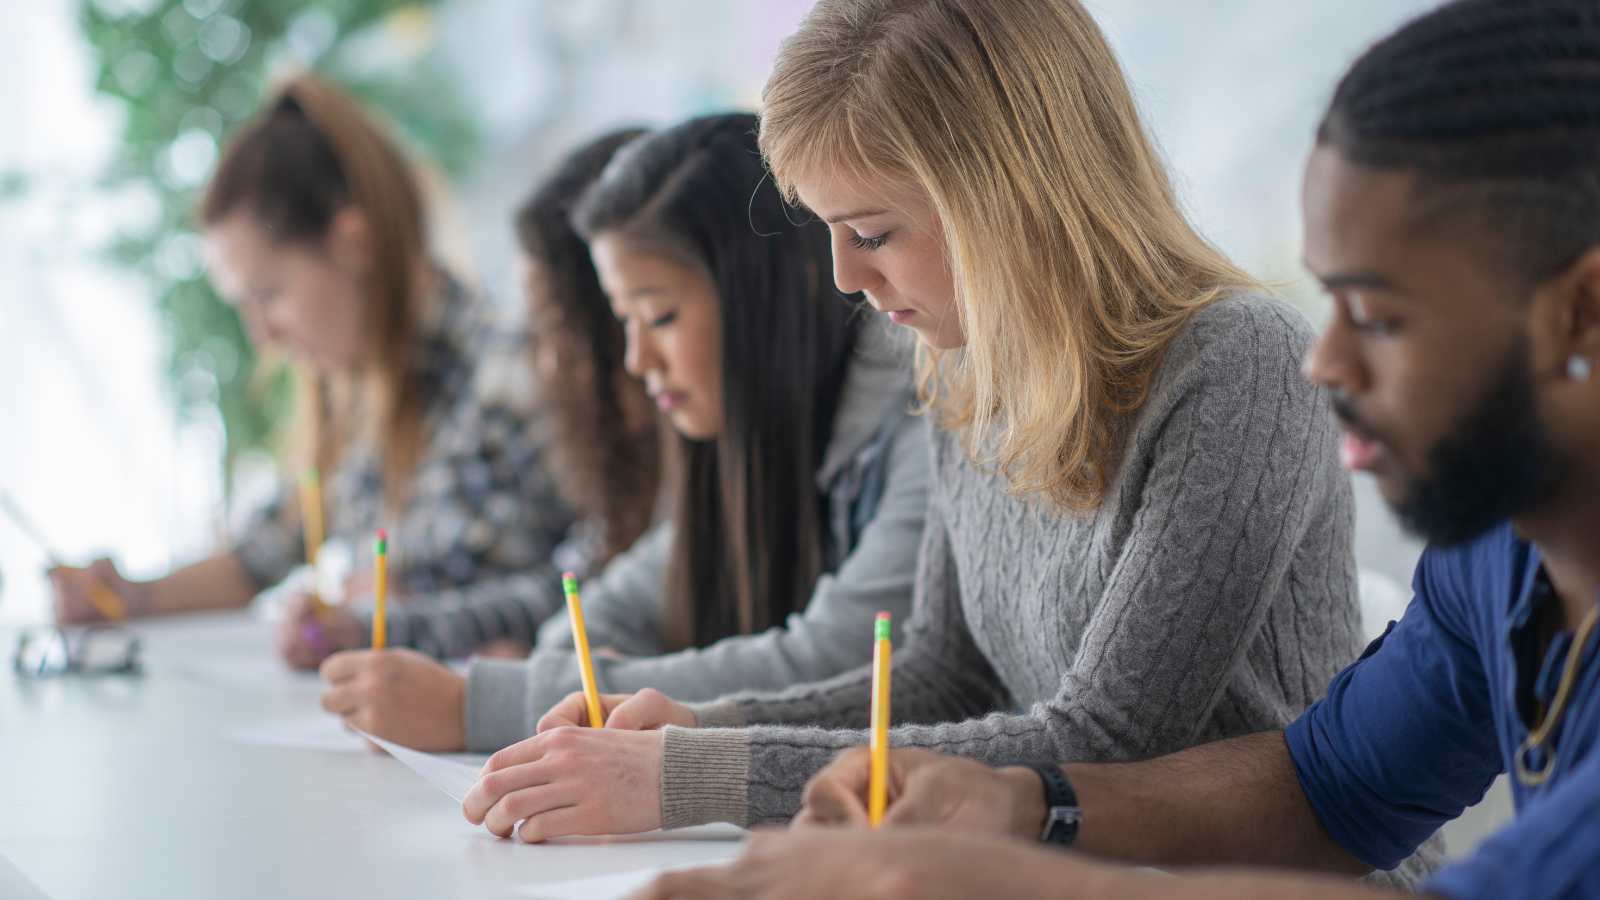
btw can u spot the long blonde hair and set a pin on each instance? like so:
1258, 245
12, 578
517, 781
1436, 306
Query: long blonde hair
309, 153
1073, 265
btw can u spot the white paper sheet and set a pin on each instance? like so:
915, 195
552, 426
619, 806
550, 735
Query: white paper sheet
246, 673
614, 885
452, 775
311, 731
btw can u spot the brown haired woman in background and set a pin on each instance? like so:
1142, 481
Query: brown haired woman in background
413, 404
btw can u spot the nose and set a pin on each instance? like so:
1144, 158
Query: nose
1334, 360
641, 355
851, 270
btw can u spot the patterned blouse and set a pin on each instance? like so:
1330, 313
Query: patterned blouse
482, 517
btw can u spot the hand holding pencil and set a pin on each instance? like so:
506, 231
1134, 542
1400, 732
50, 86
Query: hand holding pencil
926, 789
82, 595
94, 593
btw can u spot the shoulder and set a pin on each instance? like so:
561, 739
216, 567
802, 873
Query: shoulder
1241, 334
493, 345
1239, 353
1474, 583
478, 367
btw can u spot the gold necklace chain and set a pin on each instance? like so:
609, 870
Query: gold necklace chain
1536, 738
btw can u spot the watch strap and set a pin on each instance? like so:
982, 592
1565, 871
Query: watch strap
1062, 815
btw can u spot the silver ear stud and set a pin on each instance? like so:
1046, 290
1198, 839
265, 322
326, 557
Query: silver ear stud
1579, 368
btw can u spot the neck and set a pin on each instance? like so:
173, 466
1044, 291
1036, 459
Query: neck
1570, 545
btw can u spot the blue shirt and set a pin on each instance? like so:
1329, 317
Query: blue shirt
1416, 729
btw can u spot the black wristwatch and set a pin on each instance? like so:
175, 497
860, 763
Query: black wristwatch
1062, 815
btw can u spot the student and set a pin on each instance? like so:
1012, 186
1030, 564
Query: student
603, 450
798, 478
410, 403
1452, 209
1139, 537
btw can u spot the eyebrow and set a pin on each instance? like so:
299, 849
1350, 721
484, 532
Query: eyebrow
1348, 280
649, 290
858, 214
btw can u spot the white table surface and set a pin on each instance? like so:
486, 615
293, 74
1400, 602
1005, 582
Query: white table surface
125, 787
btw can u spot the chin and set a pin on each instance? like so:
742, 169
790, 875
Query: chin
938, 341
1391, 488
692, 427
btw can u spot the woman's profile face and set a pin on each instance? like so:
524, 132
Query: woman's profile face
563, 350
889, 244
560, 355
672, 318
307, 300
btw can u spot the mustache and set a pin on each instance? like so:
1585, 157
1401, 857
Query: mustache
1345, 412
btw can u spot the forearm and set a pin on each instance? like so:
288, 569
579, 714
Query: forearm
774, 764
926, 690
766, 662
1120, 883
1230, 802
455, 622
217, 582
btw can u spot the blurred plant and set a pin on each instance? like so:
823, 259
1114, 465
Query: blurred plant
185, 73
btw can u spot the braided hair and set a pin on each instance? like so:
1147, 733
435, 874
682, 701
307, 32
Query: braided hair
1495, 106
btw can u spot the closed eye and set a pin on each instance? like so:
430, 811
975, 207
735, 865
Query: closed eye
863, 242
664, 320
1378, 327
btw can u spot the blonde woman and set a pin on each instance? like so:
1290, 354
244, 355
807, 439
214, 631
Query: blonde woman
1139, 535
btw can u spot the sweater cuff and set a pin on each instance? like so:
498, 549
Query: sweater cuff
497, 703
703, 776
717, 714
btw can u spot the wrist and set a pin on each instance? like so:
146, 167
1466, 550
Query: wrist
145, 598
1027, 802
458, 696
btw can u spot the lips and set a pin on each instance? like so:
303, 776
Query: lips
1357, 452
897, 316
667, 401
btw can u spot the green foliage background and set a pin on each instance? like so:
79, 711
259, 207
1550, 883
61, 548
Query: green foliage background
186, 72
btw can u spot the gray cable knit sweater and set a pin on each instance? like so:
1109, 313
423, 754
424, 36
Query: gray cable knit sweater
1211, 594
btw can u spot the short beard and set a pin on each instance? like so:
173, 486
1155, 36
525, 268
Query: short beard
1498, 462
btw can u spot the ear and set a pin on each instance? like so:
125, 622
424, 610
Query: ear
349, 241
1564, 316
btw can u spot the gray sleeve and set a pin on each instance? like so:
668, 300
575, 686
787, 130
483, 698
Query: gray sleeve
939, 673
833, 634
454, 622
620, 611
621, 607
1240, 460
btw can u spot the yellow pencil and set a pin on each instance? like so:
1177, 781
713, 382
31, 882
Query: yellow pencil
380, 591
878, 787
580, 638
311, 527
106, 600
